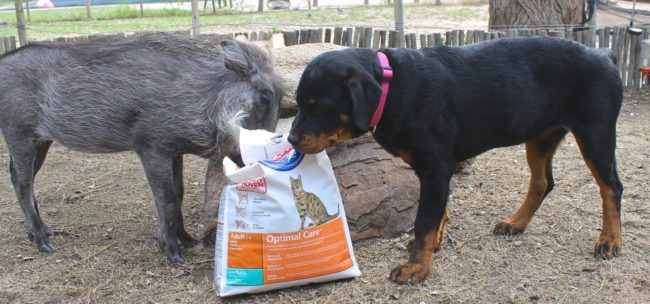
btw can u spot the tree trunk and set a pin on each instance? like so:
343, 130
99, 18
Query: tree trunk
508, 14
377, 204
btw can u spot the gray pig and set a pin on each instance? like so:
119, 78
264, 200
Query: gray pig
160, 95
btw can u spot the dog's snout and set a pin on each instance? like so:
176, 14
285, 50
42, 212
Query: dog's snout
293, 139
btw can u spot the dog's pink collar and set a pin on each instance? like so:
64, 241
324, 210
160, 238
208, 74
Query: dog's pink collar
387, 76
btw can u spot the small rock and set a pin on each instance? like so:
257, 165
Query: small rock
518, 243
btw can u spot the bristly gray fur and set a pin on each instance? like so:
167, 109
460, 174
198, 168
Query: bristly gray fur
160, 95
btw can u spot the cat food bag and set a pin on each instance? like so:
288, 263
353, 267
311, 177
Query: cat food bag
281, 222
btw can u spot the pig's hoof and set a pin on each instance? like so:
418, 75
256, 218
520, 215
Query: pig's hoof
187, 240
50, 232
189, 243
177, 258
45, 247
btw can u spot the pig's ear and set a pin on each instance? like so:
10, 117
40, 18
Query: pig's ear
235, 59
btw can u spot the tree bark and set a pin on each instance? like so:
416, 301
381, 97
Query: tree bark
509, 14
380, 192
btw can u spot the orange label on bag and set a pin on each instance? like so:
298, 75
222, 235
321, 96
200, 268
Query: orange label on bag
244, 250
291, 256
303, 254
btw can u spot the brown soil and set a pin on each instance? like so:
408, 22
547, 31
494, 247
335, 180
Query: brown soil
107, 251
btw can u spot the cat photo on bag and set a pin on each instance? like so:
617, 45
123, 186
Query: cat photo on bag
309, 205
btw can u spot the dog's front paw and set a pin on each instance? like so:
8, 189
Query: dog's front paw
507, 228
409, 272
608, 248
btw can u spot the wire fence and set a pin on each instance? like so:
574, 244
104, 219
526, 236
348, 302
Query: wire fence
625, 46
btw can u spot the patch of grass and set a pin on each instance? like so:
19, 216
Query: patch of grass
51, 23
97, 13
463, 2
448, 12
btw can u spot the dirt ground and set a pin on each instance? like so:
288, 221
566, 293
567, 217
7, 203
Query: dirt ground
107, 251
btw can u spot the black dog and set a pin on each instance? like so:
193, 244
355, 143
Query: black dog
448, 104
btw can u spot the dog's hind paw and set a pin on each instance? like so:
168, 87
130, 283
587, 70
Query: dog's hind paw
409, 272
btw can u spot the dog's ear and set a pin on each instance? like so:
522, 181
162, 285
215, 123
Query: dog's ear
364, 93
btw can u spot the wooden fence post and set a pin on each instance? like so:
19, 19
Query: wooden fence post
626, 53
349, 39
290, 37
607, 34
196, 27
20, 22
338, 33
392, 39
469, 37
376, 39
578, 37
368, 37
635, 57
399, 22
592, 37
437, 39
600, 34
355, 38
88, 14
619, 41
328, 35
304, 36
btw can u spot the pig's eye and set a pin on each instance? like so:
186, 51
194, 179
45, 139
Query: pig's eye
265, 98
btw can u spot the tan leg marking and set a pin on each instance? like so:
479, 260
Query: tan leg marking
418, 266
538, 163
610, 240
